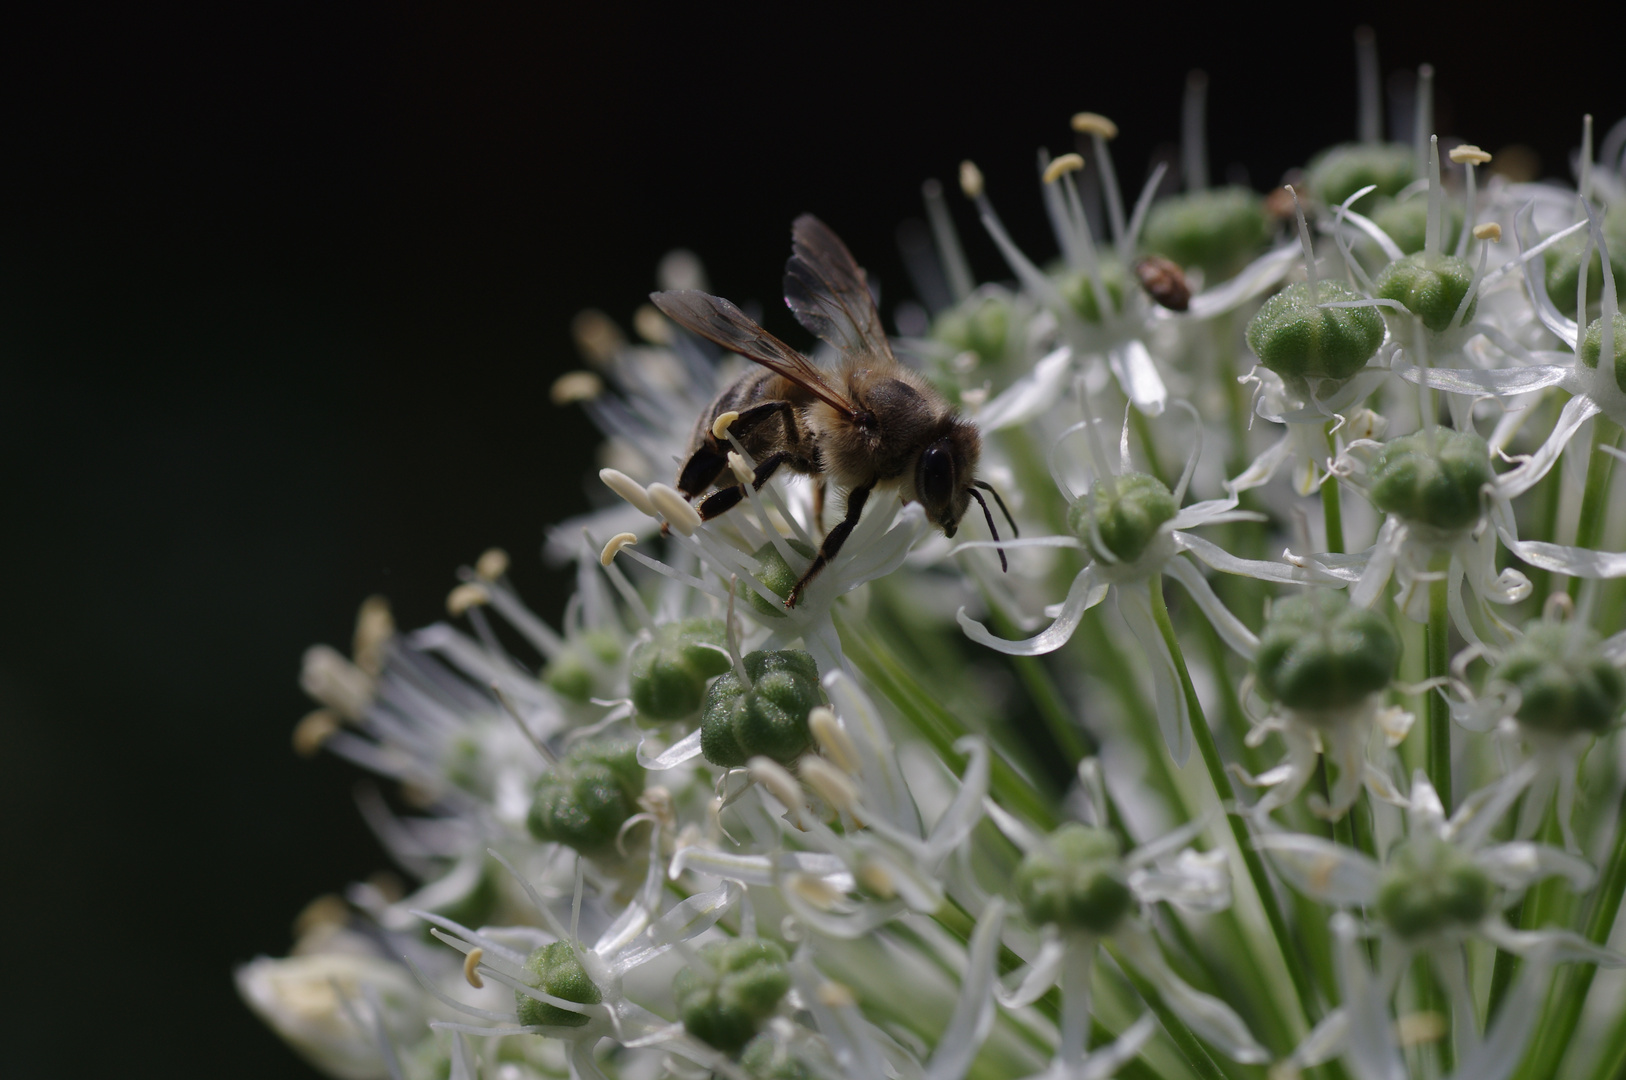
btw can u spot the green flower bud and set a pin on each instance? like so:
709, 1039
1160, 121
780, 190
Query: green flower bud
1433, 477
1592, 347
669, 672
1407, 223
1563, 265
1566, 685
1291, 336
1075, 880
1340, 171
1319, 652
570, 675
777, 575
584, 800
1218, 230
734, 986
1430, 287
981, 325
1126, 510
770, 718
1428, 886
1079, 291
555, 969
765, 1058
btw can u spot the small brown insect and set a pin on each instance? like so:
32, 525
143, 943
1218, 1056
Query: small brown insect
870, 422
1163, 281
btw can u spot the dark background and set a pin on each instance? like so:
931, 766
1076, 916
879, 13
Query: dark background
283, 289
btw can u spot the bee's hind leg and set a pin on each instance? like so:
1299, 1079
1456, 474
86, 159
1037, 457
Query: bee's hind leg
721, 502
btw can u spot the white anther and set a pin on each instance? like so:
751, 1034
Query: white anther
574, 386
314, 730
832, 785
1089, 123
1062, 166
329, 677
970, 179
720, 426
778, 781
815, 890
1469, 155
465, 596
833, 995
613, 548
629, 489
834, 741
470, 962
493, 564
656, 801
652, 325
1488, 231
672, 506
742, 471
375, 626
596, 336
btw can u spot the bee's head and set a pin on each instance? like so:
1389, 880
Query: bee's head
945, 481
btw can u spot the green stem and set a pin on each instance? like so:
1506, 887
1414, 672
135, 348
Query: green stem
1564, 1005
1332, 510
1291, 957
1503, 969
1195, 1053
1059, 720
1439, 665
1599, 471
1143, 431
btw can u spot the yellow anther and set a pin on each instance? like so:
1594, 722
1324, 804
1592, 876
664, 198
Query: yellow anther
470, 962
832, 785
877, 879
656, 801
970, 179
1062, 166
833, 995
1488, 231
652, 325
1469, 155
613, 548
834, 741
325, 911
742, 472
720, 426
1321, 874
596, 336
492, 564
1416, 1028
672, 506
1089, 123
375, 626
574, 386
629, 489
778, 781
815, 890
314, 730
466, 596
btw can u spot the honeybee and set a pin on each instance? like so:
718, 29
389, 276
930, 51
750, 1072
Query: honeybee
869, 423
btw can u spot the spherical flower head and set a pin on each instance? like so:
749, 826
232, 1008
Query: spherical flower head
980, 325
555, 969
1562, 262
1435, 477
669, 671
1340, 171
1123, 514
1429, 885
777, 575
1293, 337
734, 986
1319, 652
1217, 230
1078, 289
768, 717
1566, 684
1592, 347
1431, 287
584, 800
1075, 880
766, 1058
570, 674
1407, 224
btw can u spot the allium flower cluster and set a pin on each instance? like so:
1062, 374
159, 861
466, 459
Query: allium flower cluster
830, 771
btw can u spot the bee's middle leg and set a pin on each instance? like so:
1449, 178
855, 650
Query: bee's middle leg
721, 502
832, 543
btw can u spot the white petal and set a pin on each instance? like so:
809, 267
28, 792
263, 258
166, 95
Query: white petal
1515, 482
1503, 382
1084, 594
1209, 1017
1321, 869
974, 1011
1230, 629
1520, 863
1038, 978
1173, 714
1261, 274
1031, 395
1138, 377
685, 749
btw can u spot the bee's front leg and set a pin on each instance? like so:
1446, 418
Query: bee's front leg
832, 543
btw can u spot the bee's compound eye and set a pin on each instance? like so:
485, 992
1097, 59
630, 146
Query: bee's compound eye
936, 477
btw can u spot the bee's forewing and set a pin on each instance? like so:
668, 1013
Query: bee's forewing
828, 292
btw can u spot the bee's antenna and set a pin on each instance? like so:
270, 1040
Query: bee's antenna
1004, 566
989, 488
